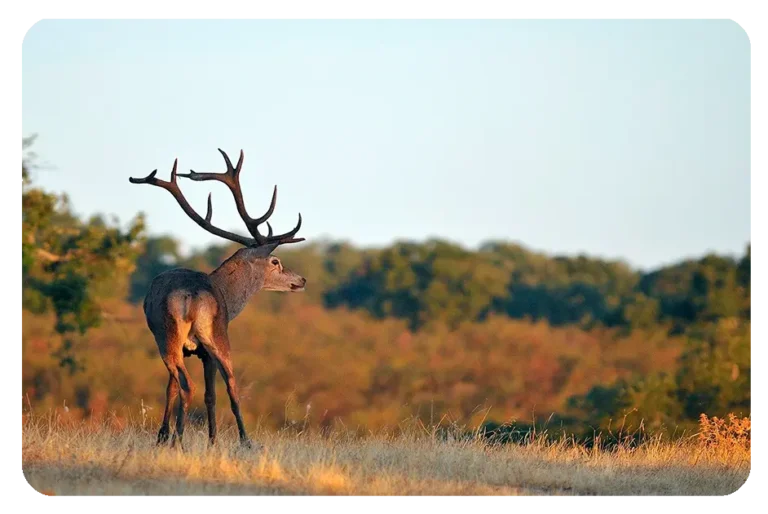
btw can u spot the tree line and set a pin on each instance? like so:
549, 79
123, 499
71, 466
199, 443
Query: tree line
407, 328
439, 281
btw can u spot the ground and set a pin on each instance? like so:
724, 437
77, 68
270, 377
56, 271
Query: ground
77, 458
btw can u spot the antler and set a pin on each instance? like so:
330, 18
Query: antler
258, 240
231, 178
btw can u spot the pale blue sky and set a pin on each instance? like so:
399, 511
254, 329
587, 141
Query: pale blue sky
625, 139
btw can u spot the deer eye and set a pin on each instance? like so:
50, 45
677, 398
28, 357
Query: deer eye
275, 262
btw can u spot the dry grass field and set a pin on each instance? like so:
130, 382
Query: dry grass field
61, 458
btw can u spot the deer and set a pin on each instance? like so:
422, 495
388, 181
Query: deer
188, 311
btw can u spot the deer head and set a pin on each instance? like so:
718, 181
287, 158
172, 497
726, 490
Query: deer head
266, 269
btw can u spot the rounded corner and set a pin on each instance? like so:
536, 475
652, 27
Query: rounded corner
44, 492
27, 33
743, 31
741, 486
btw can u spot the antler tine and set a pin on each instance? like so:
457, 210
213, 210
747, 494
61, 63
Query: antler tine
282, 238
266, 215
231, 170
146, 180
231, 178
209, 212
173, 188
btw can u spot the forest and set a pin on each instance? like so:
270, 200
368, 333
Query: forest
417, 329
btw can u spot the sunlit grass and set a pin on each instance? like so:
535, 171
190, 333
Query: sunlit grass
61, 457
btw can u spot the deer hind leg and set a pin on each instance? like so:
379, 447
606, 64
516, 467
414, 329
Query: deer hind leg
186, 391
171, 391
219, 351
170, 395
209, 370
171, 350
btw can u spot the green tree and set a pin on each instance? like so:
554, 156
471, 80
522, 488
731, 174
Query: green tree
715, 369
69, 265
424, 282
744, 277
712, 377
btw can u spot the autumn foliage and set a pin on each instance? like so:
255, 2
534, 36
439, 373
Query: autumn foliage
426, 330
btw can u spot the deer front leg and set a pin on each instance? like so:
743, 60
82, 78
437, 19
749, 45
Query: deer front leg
218, 350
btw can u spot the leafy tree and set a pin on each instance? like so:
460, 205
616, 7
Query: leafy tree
601, 403
440, 281
712, 376
422, 283
707, 289
715, 370
743, 274
68, 265
639, 311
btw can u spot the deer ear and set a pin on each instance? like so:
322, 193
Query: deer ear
265, 250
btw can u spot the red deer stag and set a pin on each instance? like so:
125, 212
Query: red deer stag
189, 311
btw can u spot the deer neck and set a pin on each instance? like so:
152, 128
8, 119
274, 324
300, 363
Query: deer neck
237, 280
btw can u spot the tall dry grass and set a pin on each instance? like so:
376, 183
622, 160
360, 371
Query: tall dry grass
77, 458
